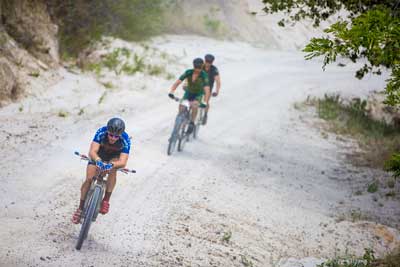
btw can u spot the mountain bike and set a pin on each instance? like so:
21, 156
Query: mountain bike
93, 200
179, 133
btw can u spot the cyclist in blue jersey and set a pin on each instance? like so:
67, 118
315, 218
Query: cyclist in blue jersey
109, 151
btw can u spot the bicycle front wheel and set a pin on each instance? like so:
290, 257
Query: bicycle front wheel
180, 118
89, 213
171, 145
183, 137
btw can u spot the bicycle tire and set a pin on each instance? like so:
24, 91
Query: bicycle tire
199, 122
183, 138
196, 131
95, 197
171, 146
175, 133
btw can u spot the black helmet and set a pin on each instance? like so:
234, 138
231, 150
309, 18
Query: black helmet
209, 58
198, 63
116, 126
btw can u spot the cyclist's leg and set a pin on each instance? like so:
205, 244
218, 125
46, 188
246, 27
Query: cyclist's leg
111, 181
186, 96
195, 103
195, 107
90, 173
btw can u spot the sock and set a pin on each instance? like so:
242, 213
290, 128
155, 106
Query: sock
107, 196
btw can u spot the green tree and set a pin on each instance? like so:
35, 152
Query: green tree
83, 21
371, 31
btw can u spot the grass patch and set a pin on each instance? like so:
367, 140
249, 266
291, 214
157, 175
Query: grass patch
212, 25
245, 261
227, 236
373, 187
377, 139
62, 114
367, 260
156, 70
122, 60
102, 97
108, 85
391, 193
34, 74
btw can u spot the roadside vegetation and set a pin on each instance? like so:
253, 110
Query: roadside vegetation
85, 22
122, 60
367, 260
378, 140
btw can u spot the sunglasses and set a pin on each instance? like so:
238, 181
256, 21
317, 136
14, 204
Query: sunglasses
114, 136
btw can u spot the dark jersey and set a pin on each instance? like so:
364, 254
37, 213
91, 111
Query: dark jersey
197, 86
212, 72
109, 151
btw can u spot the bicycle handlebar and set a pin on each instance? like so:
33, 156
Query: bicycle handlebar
84, 157
178, 99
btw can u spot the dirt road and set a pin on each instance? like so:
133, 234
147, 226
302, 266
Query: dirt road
260, 185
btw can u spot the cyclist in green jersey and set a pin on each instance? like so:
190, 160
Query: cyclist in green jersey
197, 87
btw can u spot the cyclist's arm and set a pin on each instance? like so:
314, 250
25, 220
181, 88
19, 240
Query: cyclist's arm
207, 93
94, 149
218, 80
121, 161
174, 86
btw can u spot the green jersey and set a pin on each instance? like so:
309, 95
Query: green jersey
197, 86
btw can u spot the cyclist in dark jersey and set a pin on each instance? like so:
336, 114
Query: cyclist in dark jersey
110, 151
197, 87
213, 75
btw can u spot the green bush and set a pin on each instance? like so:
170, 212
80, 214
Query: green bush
373, 187
393, 165
368, 260
83, 22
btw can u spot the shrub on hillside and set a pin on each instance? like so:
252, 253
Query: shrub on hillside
82, 22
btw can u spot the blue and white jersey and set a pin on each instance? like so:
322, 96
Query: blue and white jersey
122, 145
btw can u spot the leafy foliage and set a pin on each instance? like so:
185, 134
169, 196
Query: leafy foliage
82, 22
373, 33
367, 260
322, 10
393, 165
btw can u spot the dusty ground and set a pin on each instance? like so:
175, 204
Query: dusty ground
259, 175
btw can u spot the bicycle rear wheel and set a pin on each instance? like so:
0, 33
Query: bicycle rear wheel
196, 130
199, 122
89, 213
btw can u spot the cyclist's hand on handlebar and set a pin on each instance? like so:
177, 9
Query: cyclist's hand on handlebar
100, 164
171, 95
108, 167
